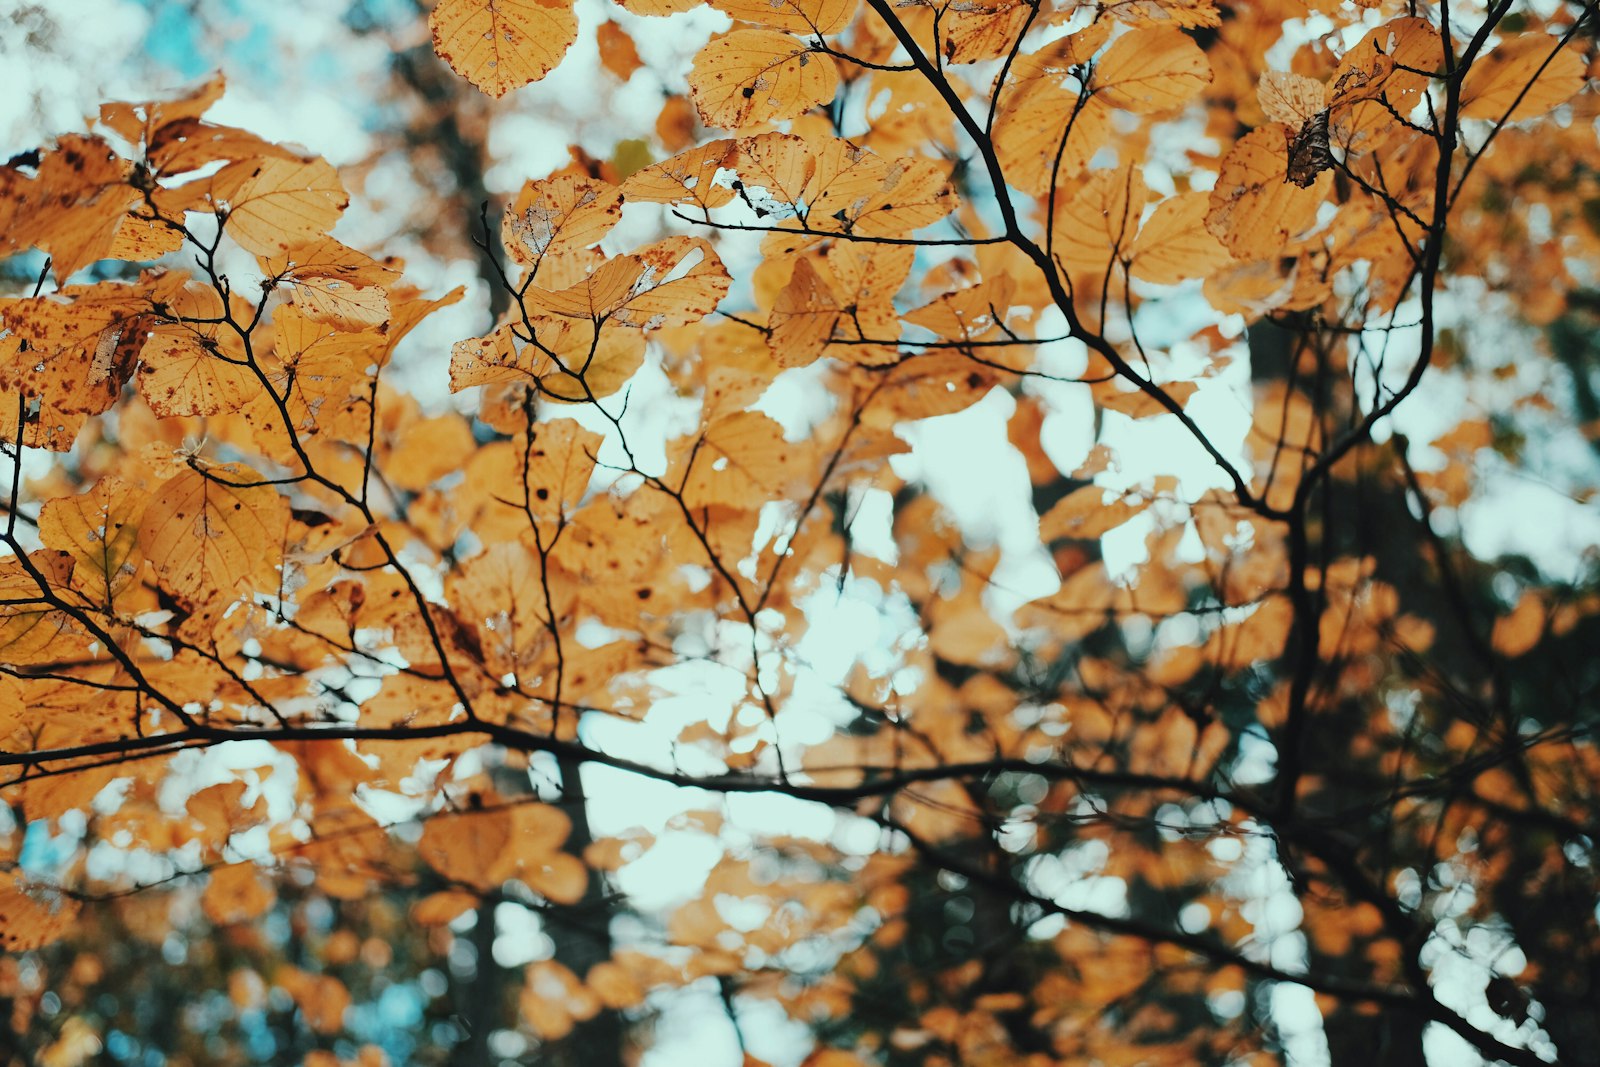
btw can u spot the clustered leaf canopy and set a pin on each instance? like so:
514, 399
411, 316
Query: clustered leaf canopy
325, 642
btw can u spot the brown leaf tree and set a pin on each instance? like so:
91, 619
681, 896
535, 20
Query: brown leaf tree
1260, 729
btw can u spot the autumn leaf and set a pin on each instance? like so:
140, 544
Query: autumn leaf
1174, 243
686, 178
317, 683
1152, 69
187, 371
670, 283
658, 7
336, 284
970, 314
803, 318
559, 462
987, 32
814, 17
207, 532
274, 205
501, 45
1186, 14
31, 913
781, 165
617, 51
1046, 135
438, 909
754, 77
1255, 210
466, 846
559, 215
99, 529
1084, 514
1521, 79
736, 457
32, 630
1099, 223
236, 893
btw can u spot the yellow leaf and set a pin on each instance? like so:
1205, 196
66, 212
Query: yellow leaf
658, 7
322, 998
1045, 136
806, 17
616, 986
438, 909
779, 163
559, 215
494, 357
32, 631
1084, 514
753, 77
673, 282
99, 529
32, 914
1255, 210
570, 360
429, 449
1292, 99
686, 178
970, 36
207, 534
501, 45
1187, 14
183, 373
803, 318
138, 121
466, 847
1174, 243
236, 893
1522, 79
335, 284
617, 51
742, 461
276, 204
1138, 404
969, 314
1518, 632
331, 300
1096, 227
560, 460
1152, 69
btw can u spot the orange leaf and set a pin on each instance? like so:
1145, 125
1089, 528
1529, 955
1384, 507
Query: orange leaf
806, 17
236, 893
1522, 79
1084, 514
1174, 243
617, 53
753, 77
1152, 69
686, 178
501, 45
1255, 210
99, 529
559, 215
1045, 136
1097, 225
466, 846
803, 318
275, 204
32, 914
206, 534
